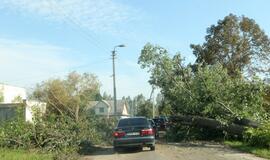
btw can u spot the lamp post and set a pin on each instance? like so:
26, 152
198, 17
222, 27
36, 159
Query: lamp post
114, 84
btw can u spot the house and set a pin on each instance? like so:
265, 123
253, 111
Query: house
11, 94
14, 97
106, 108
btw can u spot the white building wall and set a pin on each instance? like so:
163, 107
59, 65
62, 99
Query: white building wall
32, 108
101, 105
11, 92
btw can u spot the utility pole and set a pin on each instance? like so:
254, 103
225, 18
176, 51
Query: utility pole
114, 83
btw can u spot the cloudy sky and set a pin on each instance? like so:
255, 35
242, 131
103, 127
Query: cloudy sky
41, 39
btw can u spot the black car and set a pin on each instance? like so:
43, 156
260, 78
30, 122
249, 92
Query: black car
154, 126
161, 123
134, 132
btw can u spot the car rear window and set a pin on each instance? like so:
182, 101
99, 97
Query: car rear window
132, 122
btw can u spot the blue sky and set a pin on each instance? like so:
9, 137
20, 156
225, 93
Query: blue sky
49, 38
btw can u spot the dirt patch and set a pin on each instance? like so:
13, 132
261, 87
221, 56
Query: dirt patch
172, 151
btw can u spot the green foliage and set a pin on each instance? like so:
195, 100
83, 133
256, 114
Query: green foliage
209, 92
259, 136
49, 133
1, 96
15, 154
261, 152
238, 43
105, 127
68, 96
145, 109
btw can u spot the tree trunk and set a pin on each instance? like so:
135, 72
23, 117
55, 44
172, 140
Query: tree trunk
236, 128
77, 113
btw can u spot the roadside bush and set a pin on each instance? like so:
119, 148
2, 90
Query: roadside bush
49, 133
259, 136
105, 127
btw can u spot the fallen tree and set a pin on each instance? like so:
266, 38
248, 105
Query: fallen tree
235, 128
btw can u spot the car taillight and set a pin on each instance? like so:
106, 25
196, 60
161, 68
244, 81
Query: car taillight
147, 132
118, 134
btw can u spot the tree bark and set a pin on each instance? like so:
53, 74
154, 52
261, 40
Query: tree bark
236, 128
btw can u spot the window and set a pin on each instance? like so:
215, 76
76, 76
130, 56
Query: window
132, 122
101, 110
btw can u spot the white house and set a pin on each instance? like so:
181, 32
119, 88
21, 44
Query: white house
106, 108
10, 93
14, 97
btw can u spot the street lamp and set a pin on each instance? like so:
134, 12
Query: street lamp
114, 84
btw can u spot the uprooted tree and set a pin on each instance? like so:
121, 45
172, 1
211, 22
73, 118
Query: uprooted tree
66, 125
207, 92
221, 85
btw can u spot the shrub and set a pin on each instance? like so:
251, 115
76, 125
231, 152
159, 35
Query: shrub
259, 136
49, 133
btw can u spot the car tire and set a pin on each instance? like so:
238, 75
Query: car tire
152, 148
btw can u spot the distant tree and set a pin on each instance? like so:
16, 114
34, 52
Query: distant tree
145, 109
68, 96
137, 100
238, 43
164, 108
107, 97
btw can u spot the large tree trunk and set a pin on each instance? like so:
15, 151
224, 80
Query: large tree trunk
236, 128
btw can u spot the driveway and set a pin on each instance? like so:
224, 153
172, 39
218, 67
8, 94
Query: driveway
172, 151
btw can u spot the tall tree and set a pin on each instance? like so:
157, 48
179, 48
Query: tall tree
238, 43
68, 96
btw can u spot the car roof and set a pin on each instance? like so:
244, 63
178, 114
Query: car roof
133, 118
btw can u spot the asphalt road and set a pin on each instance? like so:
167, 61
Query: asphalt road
172, 151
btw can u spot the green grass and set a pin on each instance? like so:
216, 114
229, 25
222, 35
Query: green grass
18, 154
261, 152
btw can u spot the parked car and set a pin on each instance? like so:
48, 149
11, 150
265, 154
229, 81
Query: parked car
155, 128
134, 132
161, 122
156, 121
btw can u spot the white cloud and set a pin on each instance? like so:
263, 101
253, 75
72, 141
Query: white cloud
26, 63
96, 15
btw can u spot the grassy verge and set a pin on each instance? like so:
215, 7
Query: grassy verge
17, 154
261, 152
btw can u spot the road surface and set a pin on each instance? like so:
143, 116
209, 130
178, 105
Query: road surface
172, 151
